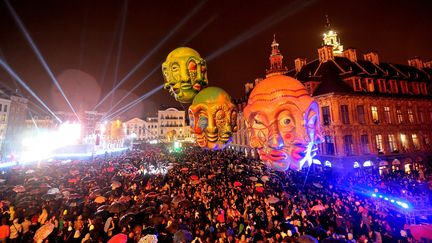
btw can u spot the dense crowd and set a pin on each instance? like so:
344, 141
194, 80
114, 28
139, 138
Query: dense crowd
153, 195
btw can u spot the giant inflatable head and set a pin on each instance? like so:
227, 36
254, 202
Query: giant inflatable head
213, 118
283, 123
185, 74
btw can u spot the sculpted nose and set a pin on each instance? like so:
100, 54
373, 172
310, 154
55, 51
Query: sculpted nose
184, 76
212, 129
275, 141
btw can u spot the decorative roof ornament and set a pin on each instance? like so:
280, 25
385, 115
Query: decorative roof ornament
330, 38
276, 65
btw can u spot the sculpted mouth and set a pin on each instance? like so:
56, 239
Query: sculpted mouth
275, 156
212, 137
225, 137
186, 86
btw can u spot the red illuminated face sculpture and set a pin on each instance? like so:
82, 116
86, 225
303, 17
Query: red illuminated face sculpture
283, 123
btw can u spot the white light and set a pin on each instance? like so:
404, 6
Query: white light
316, 161
356, 165
367, 163
328, 163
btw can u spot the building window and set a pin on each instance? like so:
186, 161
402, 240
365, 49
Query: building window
416, 141
326, 115
374, 111
361, 114
399, 115
5, 108
426, 140
382, 86
415, 88
423, 88
404, 142
357, 84
345, 114
329, 145
348, 144
1, 105
379, 143
364, 144
393, 87
404, 87
421, 115
387, 115
370, 85
410, 115
392, 143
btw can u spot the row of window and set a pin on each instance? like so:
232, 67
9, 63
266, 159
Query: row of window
171, 117
393, 143
3, 108
378, 115
389, 86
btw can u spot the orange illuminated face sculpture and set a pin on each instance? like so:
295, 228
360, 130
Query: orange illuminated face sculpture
213, 118
283, 123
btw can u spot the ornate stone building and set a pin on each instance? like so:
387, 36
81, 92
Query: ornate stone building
171, 120
136, 127
372, 112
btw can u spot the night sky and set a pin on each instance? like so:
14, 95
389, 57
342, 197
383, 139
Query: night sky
233, 36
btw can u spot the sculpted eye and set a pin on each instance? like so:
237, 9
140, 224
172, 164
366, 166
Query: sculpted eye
192, 66
286, 121
202, 122
175, 67
257, 122
220, 114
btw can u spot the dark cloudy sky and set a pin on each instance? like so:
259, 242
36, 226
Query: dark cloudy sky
234, 36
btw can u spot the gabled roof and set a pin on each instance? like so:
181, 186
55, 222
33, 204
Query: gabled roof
331, 82
331, 74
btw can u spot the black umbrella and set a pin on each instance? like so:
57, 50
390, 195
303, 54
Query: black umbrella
117, 207
126, 219
48, 197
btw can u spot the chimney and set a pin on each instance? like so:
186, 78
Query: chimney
299, 63
351, 54
427, 64
325, 53
416, 62
372, 57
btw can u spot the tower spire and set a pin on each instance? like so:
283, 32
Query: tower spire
330, 38
275, 58
327, 24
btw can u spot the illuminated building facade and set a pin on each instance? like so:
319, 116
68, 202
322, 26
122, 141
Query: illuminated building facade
4, 116
152, 128
171, 120
15, 124
371, 111
136, 127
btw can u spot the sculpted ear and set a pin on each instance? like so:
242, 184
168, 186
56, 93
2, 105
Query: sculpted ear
313, 124
165, 74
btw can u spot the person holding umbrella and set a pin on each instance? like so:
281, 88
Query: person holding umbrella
4, 230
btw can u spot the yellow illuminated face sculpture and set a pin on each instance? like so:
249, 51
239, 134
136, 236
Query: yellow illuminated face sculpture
283, 123
213, 118
185, 74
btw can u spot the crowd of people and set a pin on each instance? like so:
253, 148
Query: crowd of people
153, 195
